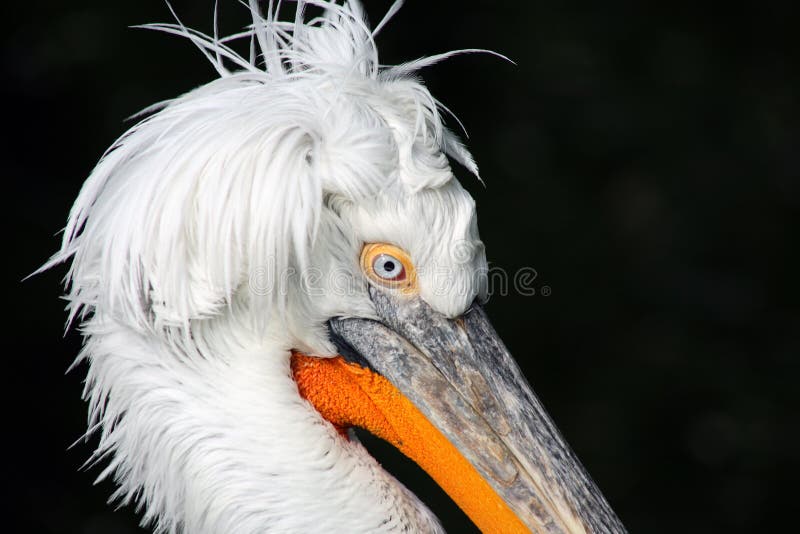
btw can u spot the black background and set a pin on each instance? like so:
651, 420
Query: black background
643, 159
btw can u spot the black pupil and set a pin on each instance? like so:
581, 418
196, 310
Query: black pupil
389, 266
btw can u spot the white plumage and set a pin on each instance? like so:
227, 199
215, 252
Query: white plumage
221, 232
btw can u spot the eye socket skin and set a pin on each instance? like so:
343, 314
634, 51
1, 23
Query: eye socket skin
389, 266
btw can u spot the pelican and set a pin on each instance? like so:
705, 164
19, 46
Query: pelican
283, 254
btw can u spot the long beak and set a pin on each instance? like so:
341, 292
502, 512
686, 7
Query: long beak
463, 380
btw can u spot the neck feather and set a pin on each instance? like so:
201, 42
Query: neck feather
226, 444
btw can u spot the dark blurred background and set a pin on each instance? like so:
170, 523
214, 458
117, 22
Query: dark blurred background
643, 159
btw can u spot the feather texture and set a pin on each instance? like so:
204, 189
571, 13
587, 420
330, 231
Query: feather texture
223, 230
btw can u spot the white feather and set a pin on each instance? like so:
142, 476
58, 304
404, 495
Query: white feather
183, 242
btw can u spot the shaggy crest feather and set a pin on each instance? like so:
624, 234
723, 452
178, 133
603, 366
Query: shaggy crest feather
248, 138
180, 243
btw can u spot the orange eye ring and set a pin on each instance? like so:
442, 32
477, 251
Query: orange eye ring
389, 266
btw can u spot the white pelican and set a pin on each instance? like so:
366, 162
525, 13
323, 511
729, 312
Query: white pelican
284, 253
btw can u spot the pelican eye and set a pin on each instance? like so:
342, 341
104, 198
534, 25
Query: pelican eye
389, 266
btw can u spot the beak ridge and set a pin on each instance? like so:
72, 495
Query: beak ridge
462, 378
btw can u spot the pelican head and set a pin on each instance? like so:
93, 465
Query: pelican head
283, 254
